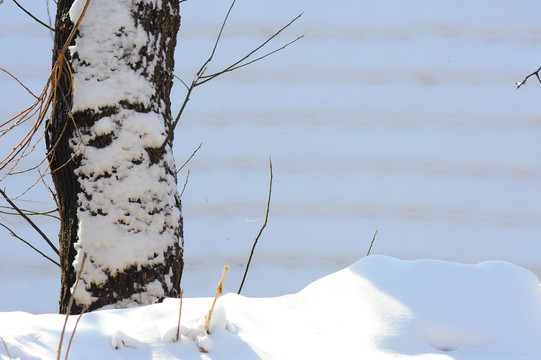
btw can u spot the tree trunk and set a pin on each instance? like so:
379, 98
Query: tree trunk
116, 184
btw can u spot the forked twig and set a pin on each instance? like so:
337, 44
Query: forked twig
536, 73
260, 231
238, 63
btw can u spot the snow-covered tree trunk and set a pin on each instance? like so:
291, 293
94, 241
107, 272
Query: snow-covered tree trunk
116, 184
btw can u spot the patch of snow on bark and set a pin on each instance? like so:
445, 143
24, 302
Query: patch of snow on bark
105, 52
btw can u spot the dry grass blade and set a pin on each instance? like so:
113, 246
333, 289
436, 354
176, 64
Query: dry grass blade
3, 342
219, 291
69, 307
73, 333
179, 314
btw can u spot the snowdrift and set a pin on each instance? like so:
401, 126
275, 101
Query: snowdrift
379, 307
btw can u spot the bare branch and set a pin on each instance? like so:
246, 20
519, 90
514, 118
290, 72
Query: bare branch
536, 73
260, 231
28, 220
32, 16
200, 78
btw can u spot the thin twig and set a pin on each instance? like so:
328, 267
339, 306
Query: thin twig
32, 16
185, 183
27, 243
260, 231
204, 66
175, 123
182, 81
190, 158
179, 314
30, 222
51, 192
372, 243
73, 333
30, 212
20, 83
536, 73
68, 310
3, 342
259, 58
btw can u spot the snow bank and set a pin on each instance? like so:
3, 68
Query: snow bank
378, 308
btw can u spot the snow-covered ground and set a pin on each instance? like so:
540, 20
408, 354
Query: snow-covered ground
394, 116
378, 308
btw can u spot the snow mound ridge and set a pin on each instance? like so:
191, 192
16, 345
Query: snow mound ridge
422, 306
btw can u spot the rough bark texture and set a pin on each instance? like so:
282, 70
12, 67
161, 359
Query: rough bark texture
65, 161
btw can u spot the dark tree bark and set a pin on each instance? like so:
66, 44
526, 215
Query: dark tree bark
88, 195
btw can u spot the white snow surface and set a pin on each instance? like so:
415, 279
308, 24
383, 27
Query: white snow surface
397, 116
378, 308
